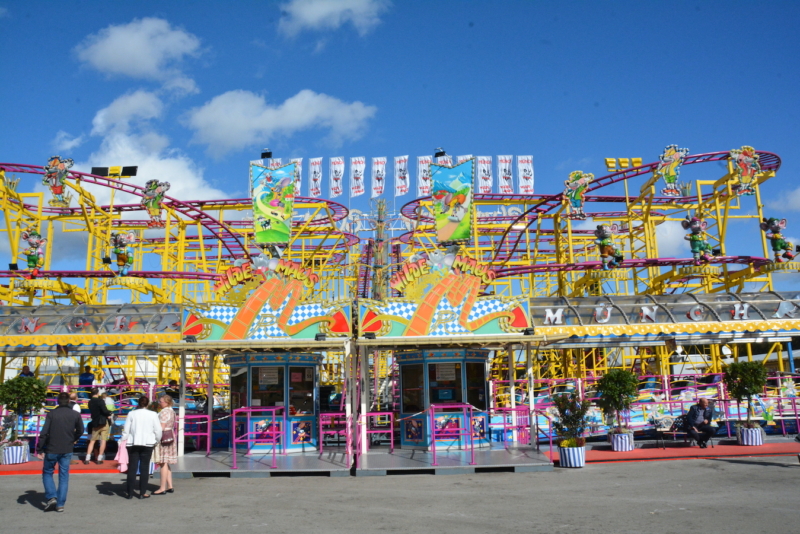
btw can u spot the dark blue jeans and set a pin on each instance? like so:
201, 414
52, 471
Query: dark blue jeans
49, 466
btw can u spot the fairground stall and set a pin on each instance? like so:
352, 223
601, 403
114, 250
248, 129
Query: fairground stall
309, 332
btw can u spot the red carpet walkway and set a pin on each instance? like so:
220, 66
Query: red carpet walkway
34, 467
648, 451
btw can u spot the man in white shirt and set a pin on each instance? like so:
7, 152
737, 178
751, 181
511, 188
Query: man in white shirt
73, 402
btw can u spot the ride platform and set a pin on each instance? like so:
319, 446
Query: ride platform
333, 462
452, 462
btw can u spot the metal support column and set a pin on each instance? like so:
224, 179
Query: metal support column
182, 406
531, 396
363, 380
512, 389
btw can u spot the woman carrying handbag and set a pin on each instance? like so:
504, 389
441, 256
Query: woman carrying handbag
167, 448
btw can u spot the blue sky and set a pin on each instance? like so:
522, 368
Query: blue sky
192, 91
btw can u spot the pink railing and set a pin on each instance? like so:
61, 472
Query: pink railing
334, 424
376, 429
515, 420
191, 427
272, 433
464, 431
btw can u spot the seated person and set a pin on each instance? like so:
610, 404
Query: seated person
26, 371
698, 422
173, 390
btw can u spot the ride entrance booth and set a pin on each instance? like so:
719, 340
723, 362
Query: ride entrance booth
282, 393
442, 331
443, 394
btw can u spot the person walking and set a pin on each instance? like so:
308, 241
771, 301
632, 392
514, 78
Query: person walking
101, 424
167, 452
141, 433
63, 427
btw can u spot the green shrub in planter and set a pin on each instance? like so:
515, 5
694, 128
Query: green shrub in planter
571, 422
744, 380
616, 389
21, 395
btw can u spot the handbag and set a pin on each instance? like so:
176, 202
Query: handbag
167, 437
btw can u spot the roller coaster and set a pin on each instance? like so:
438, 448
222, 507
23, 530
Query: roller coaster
539, 246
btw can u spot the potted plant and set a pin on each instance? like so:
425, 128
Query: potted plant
19, 395
744, 380
617, 389
569, 426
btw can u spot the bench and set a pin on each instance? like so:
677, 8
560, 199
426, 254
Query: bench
668, 425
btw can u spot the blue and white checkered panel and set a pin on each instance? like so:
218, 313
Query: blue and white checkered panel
223, 314
399, 309
445, 320
484, 307
265, 325
308, 311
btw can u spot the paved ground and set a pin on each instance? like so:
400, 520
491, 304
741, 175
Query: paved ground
708, 496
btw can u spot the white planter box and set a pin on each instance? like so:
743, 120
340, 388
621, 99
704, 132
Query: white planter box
750, 436
572, 456
15, 455
621, 442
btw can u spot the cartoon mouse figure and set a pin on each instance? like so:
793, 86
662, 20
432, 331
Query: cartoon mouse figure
122, 246
55, 176
575, 188
153, 196
608, 252
700, 247
34, 254
781, 247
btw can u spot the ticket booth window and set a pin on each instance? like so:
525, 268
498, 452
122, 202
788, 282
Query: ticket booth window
444, 383
413, 392
267, 386
301, 390
476, 385
238, 388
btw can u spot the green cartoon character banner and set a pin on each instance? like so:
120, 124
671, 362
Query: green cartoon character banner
452, 200
273, 202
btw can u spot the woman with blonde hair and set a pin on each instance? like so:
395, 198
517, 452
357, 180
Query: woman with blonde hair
167, 451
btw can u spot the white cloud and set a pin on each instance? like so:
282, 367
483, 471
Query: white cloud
137, 106
238, 119
65, 142
298, 15
788, 201
671, 243
148, 48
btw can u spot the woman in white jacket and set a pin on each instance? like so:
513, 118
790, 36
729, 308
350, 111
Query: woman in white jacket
142, 432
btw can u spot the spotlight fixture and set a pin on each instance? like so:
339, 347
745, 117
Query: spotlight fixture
266, 154
190, 339
320, 337
439, 153
369, 335
106, 260
528, 332
13, 267
716, 252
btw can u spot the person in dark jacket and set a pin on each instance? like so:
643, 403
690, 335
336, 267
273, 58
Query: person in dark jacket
101, 425
62, 428
698, 422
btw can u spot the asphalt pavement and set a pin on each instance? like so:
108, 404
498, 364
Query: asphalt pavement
722, 495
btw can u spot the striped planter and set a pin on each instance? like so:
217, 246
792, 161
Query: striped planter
750, 436
622, 442
572, 456
15, 455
